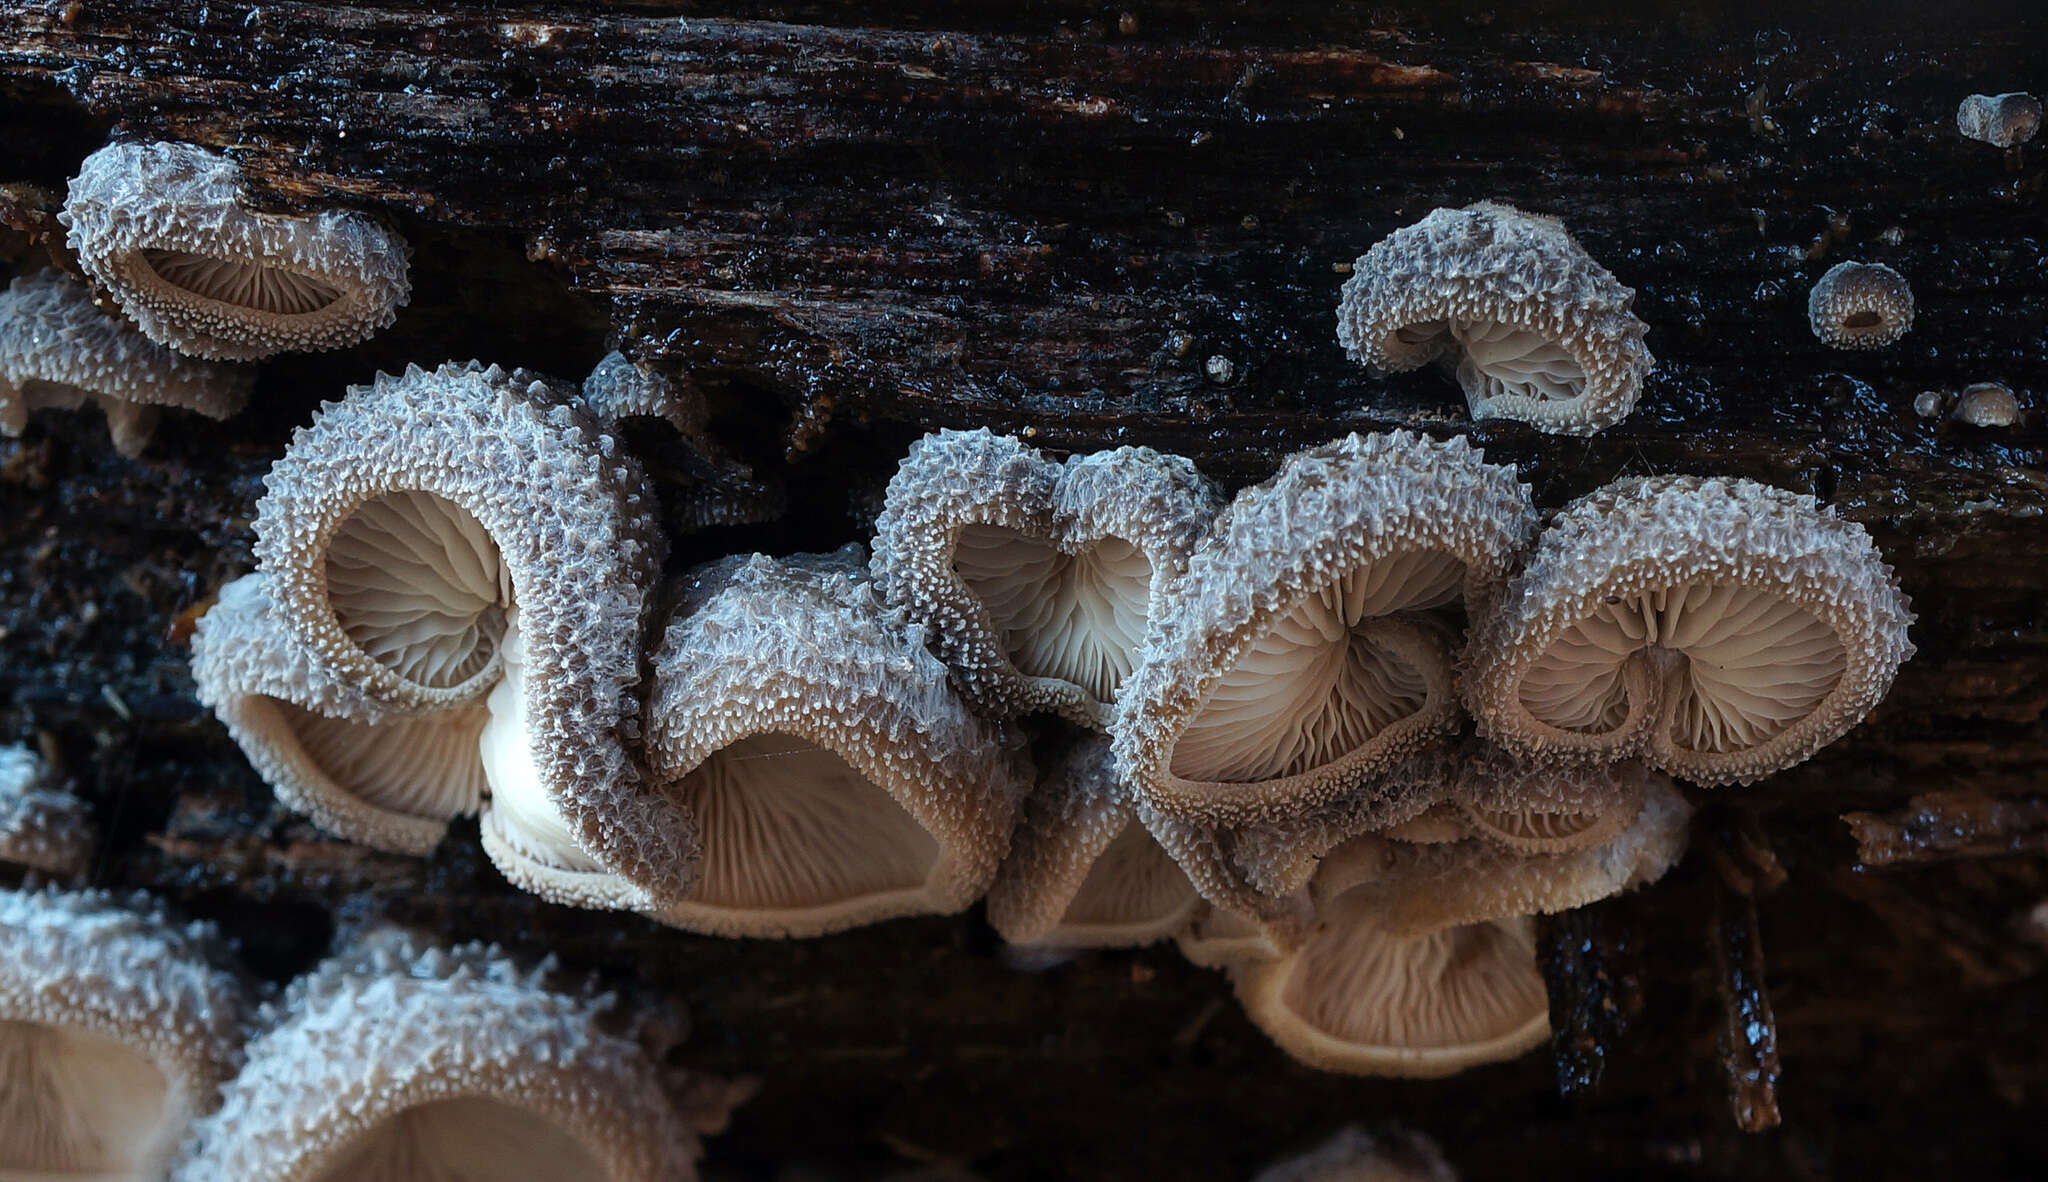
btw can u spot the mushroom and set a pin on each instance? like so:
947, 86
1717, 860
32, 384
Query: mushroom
1987, 404
42, 825
1298, 658
1082, 871
405, 532
1537, 331
1354, 1155
1860, 306
730, 493
1720, 629
115, 1033
159, 226
58, 350
1536, 808
834, 776
400, 1062
2001, 120
1036, 578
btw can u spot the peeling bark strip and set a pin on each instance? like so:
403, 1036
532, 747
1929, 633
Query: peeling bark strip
1749, 1032
1950, 826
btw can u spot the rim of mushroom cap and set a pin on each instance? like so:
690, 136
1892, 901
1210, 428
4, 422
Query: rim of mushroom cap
58, 350
975, 523
1554, 316
1860, 306
1769, 580
160, 226
491, 491
797, 657
1338, 558
42, 825
1540, 808
114, 980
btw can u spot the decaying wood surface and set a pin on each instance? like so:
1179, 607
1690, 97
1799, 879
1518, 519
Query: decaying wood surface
1096, 225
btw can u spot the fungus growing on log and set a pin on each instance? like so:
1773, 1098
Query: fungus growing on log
58, 350
2001, 120
115, 1032
1037, 578
1082, 871
1541, 808
1537, 331
1720, 629
1860, 306
834, 776
399, 1062
42, 826
159, 226
729, 492
1987, 404
402, 534
1298, 656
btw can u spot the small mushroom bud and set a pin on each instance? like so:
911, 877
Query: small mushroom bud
2001, 120
1860, 306
1987, 404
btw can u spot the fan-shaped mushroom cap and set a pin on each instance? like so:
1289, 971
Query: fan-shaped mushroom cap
42, 826
1354, 1155
115, 1032
400, 531
59, 350
1295, 660
1037, 578
834, 775
1541, 333
1082, 871
1860, 306
1543, 808
400, 1063
2001, 120
354, 768
1720, 629
158, 225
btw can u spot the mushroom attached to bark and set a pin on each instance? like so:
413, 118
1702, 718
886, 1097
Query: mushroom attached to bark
834, 776
1037, 578
1537, 330
2001, 120
406, 534
42, 825
1860, 306
1987, 404
160, 226
1720, 629
1299, 655
400, 1062
728, 492
58, 350
1082, 871
115, 1033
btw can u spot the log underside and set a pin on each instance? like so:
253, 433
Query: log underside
1097, 226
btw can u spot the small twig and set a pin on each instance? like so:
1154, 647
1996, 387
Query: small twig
1950, 826
1749, 1031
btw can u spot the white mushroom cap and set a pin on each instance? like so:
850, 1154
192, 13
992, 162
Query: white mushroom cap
1720, 629
159, 225
42, 825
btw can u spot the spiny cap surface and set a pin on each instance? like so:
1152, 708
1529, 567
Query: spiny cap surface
57, 348
1534, 807
2001, 120
572, 522
1860, 306
804, 650
42, 825
159, 226
1333, 559
1776, 587
1521, 301
1037, 578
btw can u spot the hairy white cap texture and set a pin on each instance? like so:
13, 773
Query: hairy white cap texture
42, 825
1537, 331
1533, 807
401, 1062
1300, 655
1718, 629
2001, 120
402, 531
160, 226
116, 1032
1860, 306
59, 350
834, 776
1037, 578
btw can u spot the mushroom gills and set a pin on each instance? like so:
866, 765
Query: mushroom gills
424, 766
1465, 985
1133, 884
1499, 360
243, 284
75, 1107
416, 581
1078, 617
468, 1139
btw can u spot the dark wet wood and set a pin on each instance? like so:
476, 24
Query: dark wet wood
1940, 826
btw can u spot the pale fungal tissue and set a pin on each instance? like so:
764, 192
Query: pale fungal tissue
42, 825
1303, 652
161, 227
470, 536
1860, 306
1536, 330
833, 775
116, 1032
1719, 629
1530, 807
59, 350
397, 1061
1037, 578
728, 492
2001, 120
1987, 404
1354, 1155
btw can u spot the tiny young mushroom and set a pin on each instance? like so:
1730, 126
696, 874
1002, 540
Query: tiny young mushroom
161, 227
1537, 330
1720, 629
833, 775
1860, 306
2001, 120
42, 825
1037, 578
